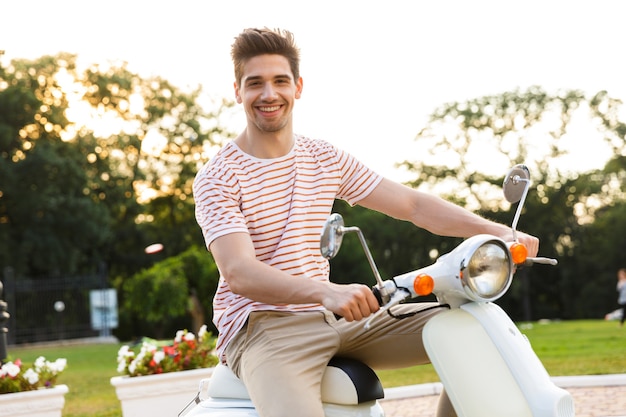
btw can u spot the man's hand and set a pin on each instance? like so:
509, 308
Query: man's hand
531, 243
351, 301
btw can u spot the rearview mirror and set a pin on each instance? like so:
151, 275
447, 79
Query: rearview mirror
516, 183
332, 236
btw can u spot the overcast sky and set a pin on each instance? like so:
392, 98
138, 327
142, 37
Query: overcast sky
373, 70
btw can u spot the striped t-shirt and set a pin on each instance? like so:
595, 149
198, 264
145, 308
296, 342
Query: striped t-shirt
282, 204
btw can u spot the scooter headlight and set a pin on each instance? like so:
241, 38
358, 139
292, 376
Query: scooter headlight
487, 273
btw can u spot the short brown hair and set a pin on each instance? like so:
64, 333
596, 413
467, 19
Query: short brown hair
254, 42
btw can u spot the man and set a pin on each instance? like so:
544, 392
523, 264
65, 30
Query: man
261, 203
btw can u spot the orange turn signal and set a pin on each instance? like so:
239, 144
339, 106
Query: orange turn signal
519, 253
423, 284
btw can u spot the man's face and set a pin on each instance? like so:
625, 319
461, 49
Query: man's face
267, 92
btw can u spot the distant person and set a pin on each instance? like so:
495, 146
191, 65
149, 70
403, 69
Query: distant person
621, 289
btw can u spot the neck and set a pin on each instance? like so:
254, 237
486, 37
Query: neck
265, 145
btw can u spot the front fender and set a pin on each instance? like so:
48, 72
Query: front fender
488, 367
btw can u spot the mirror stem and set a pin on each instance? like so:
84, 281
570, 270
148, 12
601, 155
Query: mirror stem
520, 205
379, 280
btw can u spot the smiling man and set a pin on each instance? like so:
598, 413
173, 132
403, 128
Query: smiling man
261, 203
267, 90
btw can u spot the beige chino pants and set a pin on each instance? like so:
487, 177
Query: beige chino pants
281, 357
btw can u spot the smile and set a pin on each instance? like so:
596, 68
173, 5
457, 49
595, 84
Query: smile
269, 109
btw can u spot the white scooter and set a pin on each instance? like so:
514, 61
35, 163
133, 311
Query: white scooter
487, 367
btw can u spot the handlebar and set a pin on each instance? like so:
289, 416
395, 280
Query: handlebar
540, 260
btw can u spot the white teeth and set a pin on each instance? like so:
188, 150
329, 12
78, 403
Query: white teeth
269, 109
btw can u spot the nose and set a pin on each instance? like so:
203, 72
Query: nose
269, 93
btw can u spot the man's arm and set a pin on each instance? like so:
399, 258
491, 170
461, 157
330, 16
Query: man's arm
253, 279
437, 215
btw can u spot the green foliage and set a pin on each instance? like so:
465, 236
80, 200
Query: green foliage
396, 246
160, 294
97, 164
78, 193
58, 221
528, 127
47, 221
565, 207
73, 193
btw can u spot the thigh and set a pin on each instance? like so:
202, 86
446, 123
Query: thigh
281, 359
390, 342
393, 343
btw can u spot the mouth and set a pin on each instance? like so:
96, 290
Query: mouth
269, 109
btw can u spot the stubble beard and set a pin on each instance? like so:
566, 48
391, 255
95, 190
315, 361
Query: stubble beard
270, 126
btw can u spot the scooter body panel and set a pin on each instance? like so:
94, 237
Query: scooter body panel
223, 407
368, 409
488, 367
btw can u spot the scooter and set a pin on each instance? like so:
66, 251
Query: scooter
486, 365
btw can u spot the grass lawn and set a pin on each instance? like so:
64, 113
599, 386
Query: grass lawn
585, 347
88, 373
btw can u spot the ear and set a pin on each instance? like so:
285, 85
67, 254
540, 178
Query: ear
299, 85
237, 94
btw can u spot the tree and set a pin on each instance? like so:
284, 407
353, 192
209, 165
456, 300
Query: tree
164, 293
471, 145
97, 164
48, 223
163, 138
597, 254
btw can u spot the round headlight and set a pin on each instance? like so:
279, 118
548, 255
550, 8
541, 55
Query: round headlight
488, 272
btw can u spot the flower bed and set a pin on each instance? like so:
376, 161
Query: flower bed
15, 377
162, 377
32, 391
184, 353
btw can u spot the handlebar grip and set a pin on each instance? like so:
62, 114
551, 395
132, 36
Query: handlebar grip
378, 295
544, 261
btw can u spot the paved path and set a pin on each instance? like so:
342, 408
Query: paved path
594, 396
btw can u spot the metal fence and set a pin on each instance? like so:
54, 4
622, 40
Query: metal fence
51, 308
